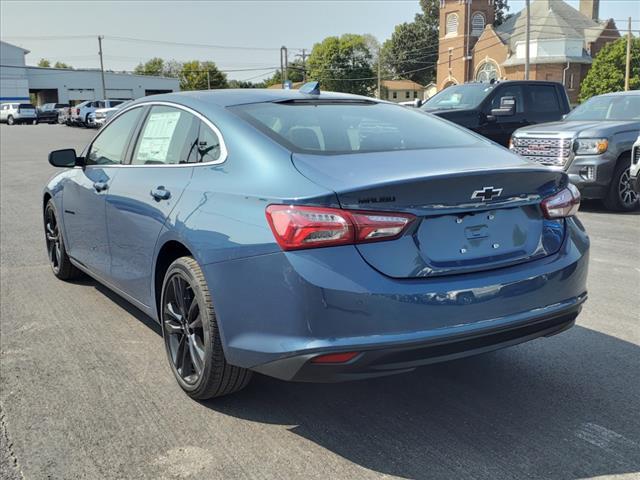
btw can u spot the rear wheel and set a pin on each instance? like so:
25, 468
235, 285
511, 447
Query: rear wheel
621, 196
58, 258
191, 335
10, 120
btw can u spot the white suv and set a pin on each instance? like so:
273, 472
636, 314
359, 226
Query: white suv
12, 113
635, 166
80, 113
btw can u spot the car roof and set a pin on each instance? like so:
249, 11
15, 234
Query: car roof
620, 94
239, 96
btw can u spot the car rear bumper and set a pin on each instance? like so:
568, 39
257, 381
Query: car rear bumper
278, 311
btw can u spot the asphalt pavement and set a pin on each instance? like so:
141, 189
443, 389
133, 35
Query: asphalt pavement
86, 390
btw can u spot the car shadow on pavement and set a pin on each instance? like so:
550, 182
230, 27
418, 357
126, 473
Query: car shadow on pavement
595, 206
558, 408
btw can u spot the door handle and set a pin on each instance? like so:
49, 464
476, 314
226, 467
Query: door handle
160, 193
100, 186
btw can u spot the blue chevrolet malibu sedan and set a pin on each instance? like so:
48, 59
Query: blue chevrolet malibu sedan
315, 236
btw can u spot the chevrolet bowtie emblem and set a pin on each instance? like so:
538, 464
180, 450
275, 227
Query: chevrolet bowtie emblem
486, 194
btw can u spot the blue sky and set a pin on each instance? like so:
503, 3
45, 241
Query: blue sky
260, 27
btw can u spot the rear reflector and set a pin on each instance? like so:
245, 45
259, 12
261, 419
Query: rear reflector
335, 357
565, 203
296, 227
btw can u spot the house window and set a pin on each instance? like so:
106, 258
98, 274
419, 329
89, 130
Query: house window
415, 94
407, 94
487, 71
452, 24
395, 94
477, 24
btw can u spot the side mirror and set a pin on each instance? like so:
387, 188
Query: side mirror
418, 103
66, 158
507, 107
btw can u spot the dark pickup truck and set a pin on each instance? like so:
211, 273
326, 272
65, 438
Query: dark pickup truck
495, 110
49, 112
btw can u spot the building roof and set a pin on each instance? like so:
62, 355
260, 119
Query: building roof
550, 19
401, 85
15, 46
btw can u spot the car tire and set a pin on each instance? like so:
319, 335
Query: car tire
621, 196
191, 335
58, 257
10, 120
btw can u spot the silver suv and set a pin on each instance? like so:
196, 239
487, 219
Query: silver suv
593, 145
12, 113
80, 113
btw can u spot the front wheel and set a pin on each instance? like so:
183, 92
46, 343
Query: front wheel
621, 196
191, 336
58, 258
10, 120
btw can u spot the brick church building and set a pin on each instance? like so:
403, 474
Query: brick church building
563, 42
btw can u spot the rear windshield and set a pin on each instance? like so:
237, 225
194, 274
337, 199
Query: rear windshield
351, 127
26, 105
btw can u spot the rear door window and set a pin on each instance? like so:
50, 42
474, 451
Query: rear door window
109, 148
168, 137
208, 145
544, 98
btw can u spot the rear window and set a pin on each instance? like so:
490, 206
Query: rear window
351, 127
26, 105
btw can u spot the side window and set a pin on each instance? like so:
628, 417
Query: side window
99, 104
544, 98
509, 91
208, 145
111, 145
167, 137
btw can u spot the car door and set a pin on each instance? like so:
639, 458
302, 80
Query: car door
544, 104
499, 129
145, 192
84, 194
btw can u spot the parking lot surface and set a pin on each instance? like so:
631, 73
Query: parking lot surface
87, 391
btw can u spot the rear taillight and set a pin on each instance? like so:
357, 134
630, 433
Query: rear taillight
77, 111
565, 203
296, 227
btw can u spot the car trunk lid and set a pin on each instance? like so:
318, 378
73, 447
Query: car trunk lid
469, 217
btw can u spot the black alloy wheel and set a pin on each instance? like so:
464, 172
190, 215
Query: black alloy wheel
58, 258
184, 334
191, 337
52, 236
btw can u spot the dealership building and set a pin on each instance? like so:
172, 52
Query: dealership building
58, 85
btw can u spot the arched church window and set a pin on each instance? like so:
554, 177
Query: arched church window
477, 24
487, 71
452, 24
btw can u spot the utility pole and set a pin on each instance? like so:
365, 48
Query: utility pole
284, 65
303, 56
104, 88
627, 73
208, 80
527, 38
379, 93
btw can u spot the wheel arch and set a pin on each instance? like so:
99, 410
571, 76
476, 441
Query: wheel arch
170, 251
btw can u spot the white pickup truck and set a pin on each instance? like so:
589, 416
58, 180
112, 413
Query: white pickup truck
80, 113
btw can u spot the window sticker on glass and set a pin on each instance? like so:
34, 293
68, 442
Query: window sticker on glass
156, 138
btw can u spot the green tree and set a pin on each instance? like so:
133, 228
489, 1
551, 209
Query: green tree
342, 64
196, 75
608, 69
502, 10
44, 63
154, 67
62, 65
240, 84
295, 73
